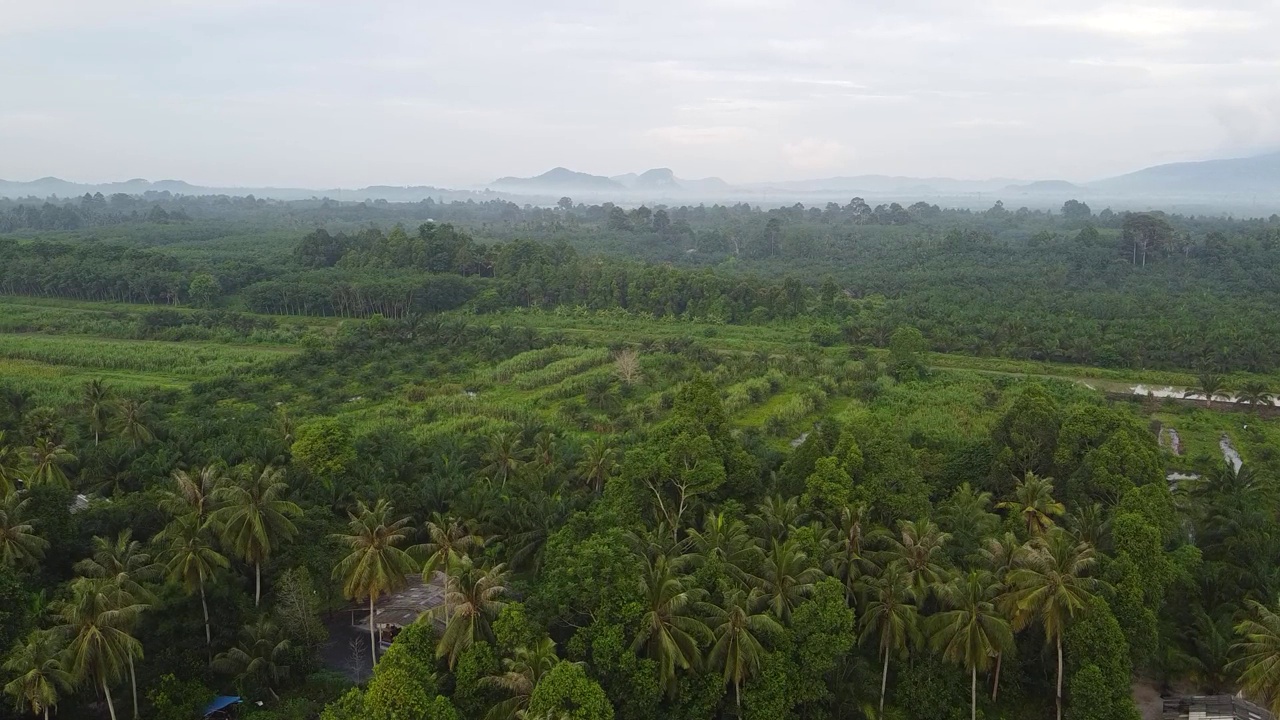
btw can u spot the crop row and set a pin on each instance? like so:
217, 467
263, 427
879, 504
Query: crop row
530, 360
172, 359
561, 369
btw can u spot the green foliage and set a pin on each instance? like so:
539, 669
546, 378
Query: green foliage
567, 692
930, 688
325, 447
828, 488
1095, 647
174, 699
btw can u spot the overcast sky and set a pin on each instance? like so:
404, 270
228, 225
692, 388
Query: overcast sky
320, 93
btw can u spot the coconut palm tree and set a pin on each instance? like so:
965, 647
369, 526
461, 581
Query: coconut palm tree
37, 665
192, 492
597, 465
890, 616
786, 577
19, 544
45, 460
738, 626
669, 632
189, 557
774, 518
1208, 386
973, 630
475, 599
448, 540
503, 457
1033, 502
1051, 586
259, 657
520, 677
131, 422
919, 549
95, 398
851, 557
1258, 654
11, 462
1256, 393
254, 518
376, 564
1000, 557
725, 543
99, 644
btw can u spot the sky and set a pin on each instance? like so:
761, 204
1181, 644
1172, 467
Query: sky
328, 93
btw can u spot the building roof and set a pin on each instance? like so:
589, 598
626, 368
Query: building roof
1212, 707
404, 607
222, 702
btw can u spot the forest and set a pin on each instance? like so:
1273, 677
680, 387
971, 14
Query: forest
676, 462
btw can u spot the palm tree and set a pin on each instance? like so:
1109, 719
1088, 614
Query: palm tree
1256, 393
254, 517
890, 617
448, 540
973, 631
1208, 386
10, 465
19, 544
1033, 502
522, 672
475, 598
596, 467
189, 557
376, 564
786, 577
669, 633
503, 457
775, 517
725, 542
96, 400
95, 622
737, 651
1258, 664
37, 663
1000, 557
850, 558
1051, 586
258, 658
131, 419
193, 493
45, 459
921, 555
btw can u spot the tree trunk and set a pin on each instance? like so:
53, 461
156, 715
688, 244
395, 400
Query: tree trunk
208, 636
995, 687
446, 592
1059, 676
373, 643
110, 706
133, 683
257, 587
884, 682
973, 693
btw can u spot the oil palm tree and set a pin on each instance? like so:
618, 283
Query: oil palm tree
448, 540
503, 457
95, 398
1051, 585
1033, 502
192, 492
258, 659
919, 549
737, 628
1256, 393
376, 564
39, 675
1208, 386
19, 543
786, 577
189, 557
597, 465
890, 617
520, 677
475, 597
99, 644
254, 518
669, 632
973, 630
1258, 654
45, 460
131, 422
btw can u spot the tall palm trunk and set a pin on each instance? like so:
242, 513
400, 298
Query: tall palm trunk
257, 586
1059, 676
204, 604
884, 682
995, 687
373, 644
133, 683
447, 612
110, 706
973, 693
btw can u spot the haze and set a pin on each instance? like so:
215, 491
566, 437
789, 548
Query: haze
325, 94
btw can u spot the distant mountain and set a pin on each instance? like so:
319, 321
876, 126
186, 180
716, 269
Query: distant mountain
1046, 186
885, 184
657, 179
1259, 174
559, 180
49, 186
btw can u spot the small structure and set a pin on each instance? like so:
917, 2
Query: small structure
1212, 707
221, 706
396, 611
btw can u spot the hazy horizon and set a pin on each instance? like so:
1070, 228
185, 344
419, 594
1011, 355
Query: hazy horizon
328, 95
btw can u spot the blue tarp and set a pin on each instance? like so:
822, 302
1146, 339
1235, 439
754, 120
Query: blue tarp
221, 702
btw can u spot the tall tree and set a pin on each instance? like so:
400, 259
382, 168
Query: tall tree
189, 557
475, 597
99, 644
1051, 586
520, 677
786, 577
890, 616
19, 543
597, 465
1000, 557
192, 492
973, 630
376, 564
448, 540
669, 633
132, 423
11, 462
38, 673
95, 398
254, 518
919, 550
45, 460
1258, 654
738, 627
259, 657
1033, 502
